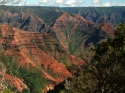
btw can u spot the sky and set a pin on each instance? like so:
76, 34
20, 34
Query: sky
71, 3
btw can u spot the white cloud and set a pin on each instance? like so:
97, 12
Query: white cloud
71, 3
16, 1
59, 1
38, 4
122, 5
81, 1
96, 2
74, 3
109, 4
28, 4
45, 1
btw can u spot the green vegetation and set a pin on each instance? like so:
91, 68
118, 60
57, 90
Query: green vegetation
80, 39
25, 91
7, 91
67, 29
49, 15
76, 41
105, 73
112, 14
83, 36
63, 59
33, 79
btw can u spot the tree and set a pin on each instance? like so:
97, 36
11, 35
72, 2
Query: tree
7, 91
105, 73
109, 63
26, 91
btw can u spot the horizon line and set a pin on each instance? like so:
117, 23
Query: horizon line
60, 6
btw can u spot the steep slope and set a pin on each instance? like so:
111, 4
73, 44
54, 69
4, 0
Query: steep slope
72, 31
111, 15
48, 14
76, 33
27, 55
5, 78
22, 20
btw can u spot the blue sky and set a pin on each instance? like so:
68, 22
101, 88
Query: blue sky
73, 3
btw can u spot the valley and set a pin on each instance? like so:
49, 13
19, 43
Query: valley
38, 47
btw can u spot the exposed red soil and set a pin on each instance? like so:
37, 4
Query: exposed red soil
62, 22
20, 44
109, 29
66, 25
15, 82
26, 21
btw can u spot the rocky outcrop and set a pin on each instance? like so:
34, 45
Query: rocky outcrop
71, 31
50, 50
110, 15
25, 21
15, 82
76, 33
27, 50
109, 29
65, 27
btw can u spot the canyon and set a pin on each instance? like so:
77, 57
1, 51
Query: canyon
35, 53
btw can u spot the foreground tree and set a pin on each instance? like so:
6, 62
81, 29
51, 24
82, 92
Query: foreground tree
109, 63
105, 73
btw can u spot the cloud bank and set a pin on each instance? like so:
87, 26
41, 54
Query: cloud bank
110, 4
74, 3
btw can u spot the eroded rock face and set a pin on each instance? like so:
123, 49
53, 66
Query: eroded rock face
109, 29
76, 33
65, 27
25, 21
72, 32
110, 15
15, 82
29, 49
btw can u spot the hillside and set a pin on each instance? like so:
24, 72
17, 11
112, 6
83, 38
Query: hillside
22, 20
73, 31
76, 33
27, 57
111, 15
38, 44
48, 14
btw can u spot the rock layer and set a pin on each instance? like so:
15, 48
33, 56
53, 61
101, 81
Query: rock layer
26, 49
